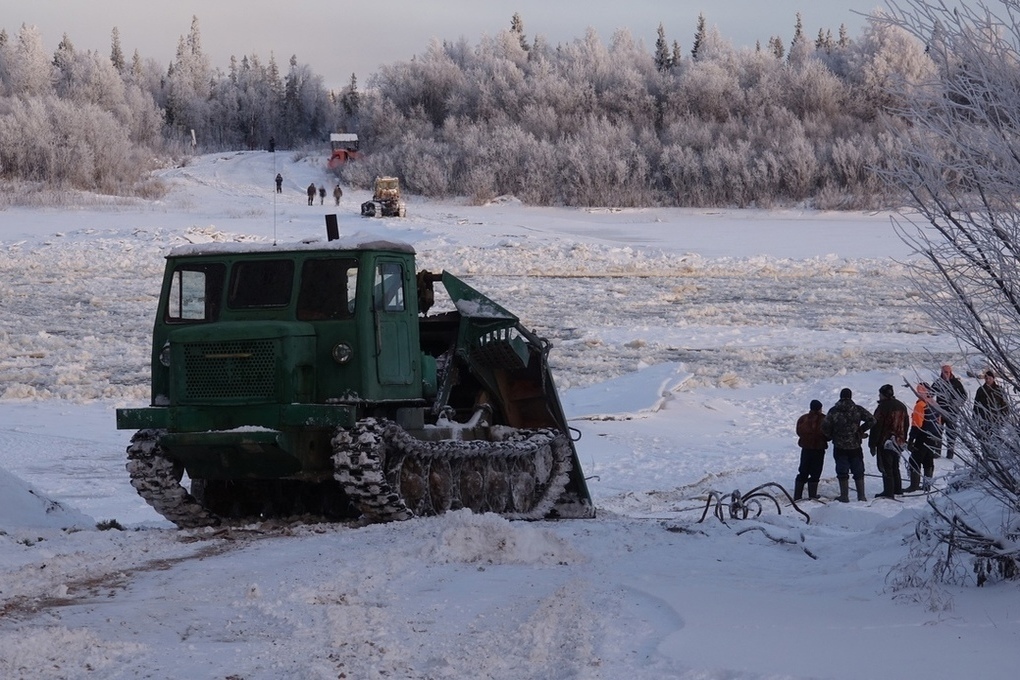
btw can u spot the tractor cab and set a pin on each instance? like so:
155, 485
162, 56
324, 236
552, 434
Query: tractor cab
343, 148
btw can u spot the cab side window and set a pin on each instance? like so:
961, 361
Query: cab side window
389, 287
195, 292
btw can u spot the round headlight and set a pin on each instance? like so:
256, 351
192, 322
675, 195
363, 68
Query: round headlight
164, 355
342, 353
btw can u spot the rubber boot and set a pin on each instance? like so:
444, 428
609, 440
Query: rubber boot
798, 488
926, 485
897, 480
844, 490
888, 485
859, 484
915, 481
812, 491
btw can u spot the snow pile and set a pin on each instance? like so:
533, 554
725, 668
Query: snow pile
490, 539
21, 506
59, 653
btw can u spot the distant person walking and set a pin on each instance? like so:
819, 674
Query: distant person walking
846, 425
279, 183
337, 194
924, 440
311, 194
322, 195
951, 397
812, 444
888, 439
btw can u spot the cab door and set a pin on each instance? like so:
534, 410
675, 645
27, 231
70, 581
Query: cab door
393, 319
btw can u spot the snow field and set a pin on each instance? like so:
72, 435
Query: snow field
686, 343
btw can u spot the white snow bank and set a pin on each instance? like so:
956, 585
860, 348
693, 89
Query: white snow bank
23, 507
494, 540
60, 653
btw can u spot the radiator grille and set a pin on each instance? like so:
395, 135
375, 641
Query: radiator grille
242, 369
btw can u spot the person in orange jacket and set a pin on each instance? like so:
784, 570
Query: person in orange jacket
924, 439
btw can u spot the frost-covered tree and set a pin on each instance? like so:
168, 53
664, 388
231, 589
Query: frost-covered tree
517, 28
821, 43
798, 34
776, 47
350, 100
888, 63
801, 49
248, 103
64, 54
663, 61
962, 172
677, 56
699, 36
306, 112
28, 69
63, 144
844, 36
189, 82
116, 54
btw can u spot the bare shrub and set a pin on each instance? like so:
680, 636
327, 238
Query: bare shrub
962, 174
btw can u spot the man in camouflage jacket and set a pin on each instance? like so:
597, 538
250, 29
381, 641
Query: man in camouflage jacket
845, 425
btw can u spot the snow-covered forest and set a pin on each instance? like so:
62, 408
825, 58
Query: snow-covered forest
689, 121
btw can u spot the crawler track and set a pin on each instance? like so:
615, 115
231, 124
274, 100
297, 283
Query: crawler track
158, 481
384, 472
390, 475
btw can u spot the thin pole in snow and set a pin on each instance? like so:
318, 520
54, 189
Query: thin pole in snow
274, 198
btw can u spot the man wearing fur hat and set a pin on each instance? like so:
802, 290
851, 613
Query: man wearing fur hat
845, 425
888, 439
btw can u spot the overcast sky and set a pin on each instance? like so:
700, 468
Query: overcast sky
339, 38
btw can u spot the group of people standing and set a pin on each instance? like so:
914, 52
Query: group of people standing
312, 191
337, 194
890, 431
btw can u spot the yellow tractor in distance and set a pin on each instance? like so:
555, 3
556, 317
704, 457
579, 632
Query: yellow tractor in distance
386, 201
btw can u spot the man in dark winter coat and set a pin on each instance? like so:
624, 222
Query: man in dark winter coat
337, 194
888, 438
812, 443
322, 195
311, 193
990, 408
279, 183
951, 397
845, 425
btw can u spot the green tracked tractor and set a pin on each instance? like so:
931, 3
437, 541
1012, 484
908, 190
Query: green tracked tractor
310, 381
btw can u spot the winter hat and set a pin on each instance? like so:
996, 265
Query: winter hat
845, 393
989, 374
816, 405
886, 391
